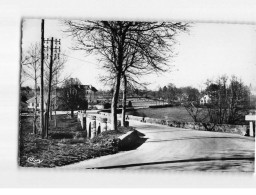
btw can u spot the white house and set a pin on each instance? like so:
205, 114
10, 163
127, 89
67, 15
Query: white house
205, 100
32, 102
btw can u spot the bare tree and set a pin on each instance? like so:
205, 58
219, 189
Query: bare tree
31, 70
238, 98
57, 77
52, 74
115, 42
198, 114
229, 100
130, 80
23, 74
57, 70
57, 80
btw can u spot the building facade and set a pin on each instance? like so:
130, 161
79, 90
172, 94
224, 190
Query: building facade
205, 100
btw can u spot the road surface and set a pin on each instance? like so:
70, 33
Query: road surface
169, 148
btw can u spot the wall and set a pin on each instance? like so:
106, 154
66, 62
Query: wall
225, 128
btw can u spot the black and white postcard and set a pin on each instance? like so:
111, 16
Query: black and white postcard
137, 95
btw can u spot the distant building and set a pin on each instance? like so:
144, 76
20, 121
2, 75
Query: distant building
90, 93
205, 100
32, 102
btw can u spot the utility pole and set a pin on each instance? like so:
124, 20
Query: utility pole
54, 52
55, 107
42, 80
35, 109
49, 91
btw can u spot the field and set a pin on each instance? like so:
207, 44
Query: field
169, 113
178, 113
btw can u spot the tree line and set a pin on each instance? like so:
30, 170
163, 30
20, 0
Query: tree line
230, 101
169, 93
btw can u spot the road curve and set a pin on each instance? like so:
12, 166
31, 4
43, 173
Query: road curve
169, 148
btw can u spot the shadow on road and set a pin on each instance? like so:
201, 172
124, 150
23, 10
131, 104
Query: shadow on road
136, 144
198, 160
132, 141
189, 138
169, 131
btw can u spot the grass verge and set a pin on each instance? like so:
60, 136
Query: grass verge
66, 144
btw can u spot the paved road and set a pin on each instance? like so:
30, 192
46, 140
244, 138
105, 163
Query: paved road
169, 148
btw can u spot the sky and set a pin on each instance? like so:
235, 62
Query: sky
207, 51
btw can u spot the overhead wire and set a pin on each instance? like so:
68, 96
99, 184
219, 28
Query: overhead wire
78, 59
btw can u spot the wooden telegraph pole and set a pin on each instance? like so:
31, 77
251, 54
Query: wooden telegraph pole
49, 91
45, 119
55, 106
42, 80
54, 54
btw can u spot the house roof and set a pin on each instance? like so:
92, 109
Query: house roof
23, 103
87, 87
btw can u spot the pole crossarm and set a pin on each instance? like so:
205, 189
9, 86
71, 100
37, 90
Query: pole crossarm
55, 47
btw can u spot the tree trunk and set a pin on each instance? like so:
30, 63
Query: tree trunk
55, 118
55, 106
42, 82
51, 111
34, 124
114, 103
72, 113
45, 125
124, 100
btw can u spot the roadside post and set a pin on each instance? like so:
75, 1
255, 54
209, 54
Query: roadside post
252, 119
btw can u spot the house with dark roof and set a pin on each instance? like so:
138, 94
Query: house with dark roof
90, 93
